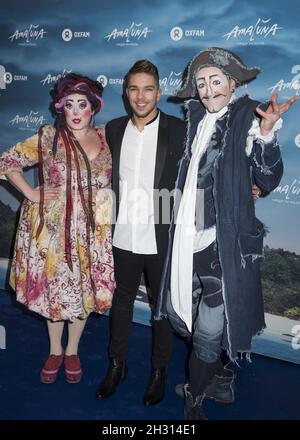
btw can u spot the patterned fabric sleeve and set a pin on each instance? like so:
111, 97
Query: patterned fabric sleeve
22, 155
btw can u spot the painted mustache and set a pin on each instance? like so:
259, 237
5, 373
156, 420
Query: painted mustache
214, 97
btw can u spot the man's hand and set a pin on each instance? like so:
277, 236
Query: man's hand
273, 113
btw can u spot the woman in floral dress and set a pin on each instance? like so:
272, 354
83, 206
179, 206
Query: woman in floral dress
62, 266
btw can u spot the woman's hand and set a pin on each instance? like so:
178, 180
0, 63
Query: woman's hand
33, 194
49, 194
273, 113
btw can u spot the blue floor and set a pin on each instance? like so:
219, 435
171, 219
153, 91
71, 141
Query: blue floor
265, 389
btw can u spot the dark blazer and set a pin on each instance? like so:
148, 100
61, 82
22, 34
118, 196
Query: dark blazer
171, 134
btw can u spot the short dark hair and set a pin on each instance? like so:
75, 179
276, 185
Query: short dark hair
143, 66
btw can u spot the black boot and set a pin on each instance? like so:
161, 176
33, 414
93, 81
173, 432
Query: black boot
220, 387
116, 373
193, 406
156, 388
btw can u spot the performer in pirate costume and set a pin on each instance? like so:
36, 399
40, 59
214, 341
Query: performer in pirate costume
211, 285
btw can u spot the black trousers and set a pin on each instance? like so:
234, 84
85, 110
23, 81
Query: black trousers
128, 271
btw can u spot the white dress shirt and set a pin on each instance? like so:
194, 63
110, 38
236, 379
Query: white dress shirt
135, 228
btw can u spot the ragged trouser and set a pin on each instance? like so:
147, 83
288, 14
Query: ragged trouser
208, 320
207, 307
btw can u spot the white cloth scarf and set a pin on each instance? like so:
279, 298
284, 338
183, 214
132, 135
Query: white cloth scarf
182, 255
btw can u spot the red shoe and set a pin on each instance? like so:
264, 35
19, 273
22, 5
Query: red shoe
51, 367
73, 368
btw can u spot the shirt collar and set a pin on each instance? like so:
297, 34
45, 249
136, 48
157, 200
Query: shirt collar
155, 119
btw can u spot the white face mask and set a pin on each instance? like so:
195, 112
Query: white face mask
78, 111
214, 88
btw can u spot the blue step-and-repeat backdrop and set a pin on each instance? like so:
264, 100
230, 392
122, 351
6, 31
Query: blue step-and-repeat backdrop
41, 41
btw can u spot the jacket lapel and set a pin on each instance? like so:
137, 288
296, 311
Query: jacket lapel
162, 147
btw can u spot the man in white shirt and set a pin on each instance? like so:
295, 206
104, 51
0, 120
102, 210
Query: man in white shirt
216, 241
146, 148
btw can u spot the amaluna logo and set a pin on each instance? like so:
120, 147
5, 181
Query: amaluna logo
135, 31
262, 28
171, 82
50, 79
293, 85
31, 33
289, 191
29, 120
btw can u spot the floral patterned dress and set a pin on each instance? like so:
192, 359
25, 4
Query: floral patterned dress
40, 273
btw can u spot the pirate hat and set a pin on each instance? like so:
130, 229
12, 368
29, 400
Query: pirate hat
227, 61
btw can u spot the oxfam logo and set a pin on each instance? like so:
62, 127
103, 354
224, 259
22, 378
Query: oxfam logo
102, 79
176, 33
67, 35
8, 78
5, 77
